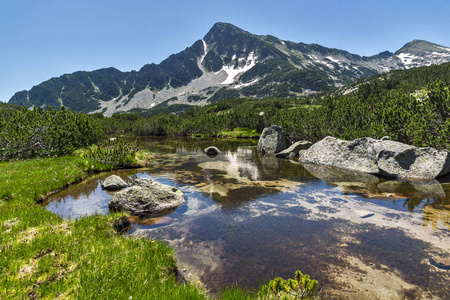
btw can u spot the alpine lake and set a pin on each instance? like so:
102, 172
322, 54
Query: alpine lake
249, 218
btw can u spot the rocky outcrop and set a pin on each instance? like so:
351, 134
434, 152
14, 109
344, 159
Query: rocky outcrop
113, 182
146, 196
380, 157
273, 140
294, 149
212, 151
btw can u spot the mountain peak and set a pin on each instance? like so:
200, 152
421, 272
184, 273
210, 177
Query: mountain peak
421, 46
228, 62
221, 29
221, 26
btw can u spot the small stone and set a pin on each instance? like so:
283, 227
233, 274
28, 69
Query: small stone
294, 150
113, 182
212, 151
363, 214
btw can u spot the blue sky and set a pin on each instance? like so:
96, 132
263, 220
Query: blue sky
47, 38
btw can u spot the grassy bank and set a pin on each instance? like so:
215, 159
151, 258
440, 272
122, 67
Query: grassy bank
44, 257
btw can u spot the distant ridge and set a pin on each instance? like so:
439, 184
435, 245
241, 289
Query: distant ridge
228, 62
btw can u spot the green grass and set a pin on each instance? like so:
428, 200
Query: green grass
45, 257
239, 133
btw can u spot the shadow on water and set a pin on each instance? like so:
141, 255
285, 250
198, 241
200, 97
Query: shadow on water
251, 217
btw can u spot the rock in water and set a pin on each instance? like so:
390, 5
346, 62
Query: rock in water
212, 151
113, 182
272, 140
381, 157
404, 161
294, 149
146, 196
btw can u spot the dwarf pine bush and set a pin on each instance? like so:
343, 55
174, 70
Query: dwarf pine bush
38, 132
115, 154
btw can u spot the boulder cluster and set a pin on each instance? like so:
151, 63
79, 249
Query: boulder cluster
380, 157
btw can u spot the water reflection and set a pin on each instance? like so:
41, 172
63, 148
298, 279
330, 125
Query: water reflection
86, 197
250, 217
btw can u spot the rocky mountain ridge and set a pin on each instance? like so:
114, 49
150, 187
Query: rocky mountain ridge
228, 62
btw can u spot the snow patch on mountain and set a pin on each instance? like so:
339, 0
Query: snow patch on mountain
238, 86
408, 59
205, 48
333, 59
233, 72
444, 48
438, 54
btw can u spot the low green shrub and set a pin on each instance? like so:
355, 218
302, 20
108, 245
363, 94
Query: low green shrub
301, 287
39, 133
115, 154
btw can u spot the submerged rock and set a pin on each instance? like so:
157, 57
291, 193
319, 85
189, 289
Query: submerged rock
113, 182
294, 149
380, 157
441, 263
121, 225
272, 140
212, 151
146, 196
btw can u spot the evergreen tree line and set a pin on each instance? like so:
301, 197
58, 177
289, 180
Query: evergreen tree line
383, 107
419, 121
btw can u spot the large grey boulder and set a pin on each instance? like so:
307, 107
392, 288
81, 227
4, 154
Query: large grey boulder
146, 196
272, 140
294, 149
381, 157
113, 182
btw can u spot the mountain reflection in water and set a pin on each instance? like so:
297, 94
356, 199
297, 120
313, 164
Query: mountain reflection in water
251, 217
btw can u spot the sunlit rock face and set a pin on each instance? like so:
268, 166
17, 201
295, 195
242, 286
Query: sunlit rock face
273, 140
381, 157
146, 196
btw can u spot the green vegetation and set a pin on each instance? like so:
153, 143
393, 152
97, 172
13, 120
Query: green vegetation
31, 133
239, 133
301, 287
406, 80
116, 154
420, 119
44, 257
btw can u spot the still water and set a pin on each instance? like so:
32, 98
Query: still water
251, 217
